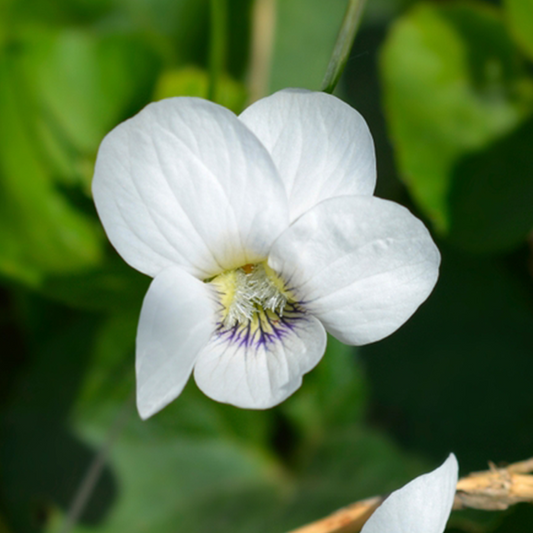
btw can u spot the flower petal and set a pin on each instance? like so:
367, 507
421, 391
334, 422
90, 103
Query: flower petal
257, 368
362, 265
184, 182
422, 506
177, 320
321, 146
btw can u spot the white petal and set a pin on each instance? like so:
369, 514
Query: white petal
242, 367
184, 182
362, 265
422, 506
177, 320
321, 146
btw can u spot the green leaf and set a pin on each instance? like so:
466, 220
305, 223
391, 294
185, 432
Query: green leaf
85, 83
112, 286
40, 231
453, 83
176, 28
519, 17
202, 466
305, 36
193, 81
56, 12
54, 115
333, 395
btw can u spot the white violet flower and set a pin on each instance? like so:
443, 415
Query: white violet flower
261, 233
422, 506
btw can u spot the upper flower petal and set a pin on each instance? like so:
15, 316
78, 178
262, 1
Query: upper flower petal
258, 367
184, 182
177, 319
422, 506
321, 146
362, 265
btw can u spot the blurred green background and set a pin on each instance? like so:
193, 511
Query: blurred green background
447, 89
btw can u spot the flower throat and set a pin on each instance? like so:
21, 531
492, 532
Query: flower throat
249, 291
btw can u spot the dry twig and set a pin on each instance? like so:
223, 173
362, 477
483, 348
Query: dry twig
496, 489
491, 490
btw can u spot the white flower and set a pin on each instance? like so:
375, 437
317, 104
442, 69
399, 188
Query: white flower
262, 234
422, 506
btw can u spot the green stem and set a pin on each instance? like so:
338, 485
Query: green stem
217, 46
90, 480
339, 57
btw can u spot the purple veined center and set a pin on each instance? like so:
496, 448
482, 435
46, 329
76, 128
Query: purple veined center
255, 307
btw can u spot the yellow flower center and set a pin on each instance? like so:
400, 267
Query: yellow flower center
251, 293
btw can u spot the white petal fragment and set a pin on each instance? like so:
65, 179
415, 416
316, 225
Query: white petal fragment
243, 368
362, 265
184, 182
321, 146
177, 320
422, 506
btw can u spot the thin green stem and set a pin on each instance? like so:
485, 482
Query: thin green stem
341, 52
89, 482
217, 46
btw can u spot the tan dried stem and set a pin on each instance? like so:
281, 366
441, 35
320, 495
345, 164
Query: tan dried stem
263, 32
495, 489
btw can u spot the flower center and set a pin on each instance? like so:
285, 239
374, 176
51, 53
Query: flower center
248, 292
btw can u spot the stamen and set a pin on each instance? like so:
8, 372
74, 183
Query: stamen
248, 291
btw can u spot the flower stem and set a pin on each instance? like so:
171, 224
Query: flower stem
217, 47
92, 476
339, 57
263, 31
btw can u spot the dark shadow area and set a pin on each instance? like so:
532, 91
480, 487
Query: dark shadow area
42, 461
491, 196
457, 376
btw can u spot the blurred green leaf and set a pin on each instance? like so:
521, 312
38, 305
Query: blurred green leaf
40, 231
177, 29
453, 83
53, 116
56, 12
305, 36
111, 286
333, 395
84, 83
198, 465
179, 481
519, 17
193, 81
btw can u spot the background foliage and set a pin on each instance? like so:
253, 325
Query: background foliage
447, 89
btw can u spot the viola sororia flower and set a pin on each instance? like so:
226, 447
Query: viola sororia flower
422, 506
261, 233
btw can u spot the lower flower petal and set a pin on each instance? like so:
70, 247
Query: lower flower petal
177, 320
362, 265
422, 506
260, 364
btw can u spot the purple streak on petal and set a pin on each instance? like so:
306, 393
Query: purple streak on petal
270, 327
